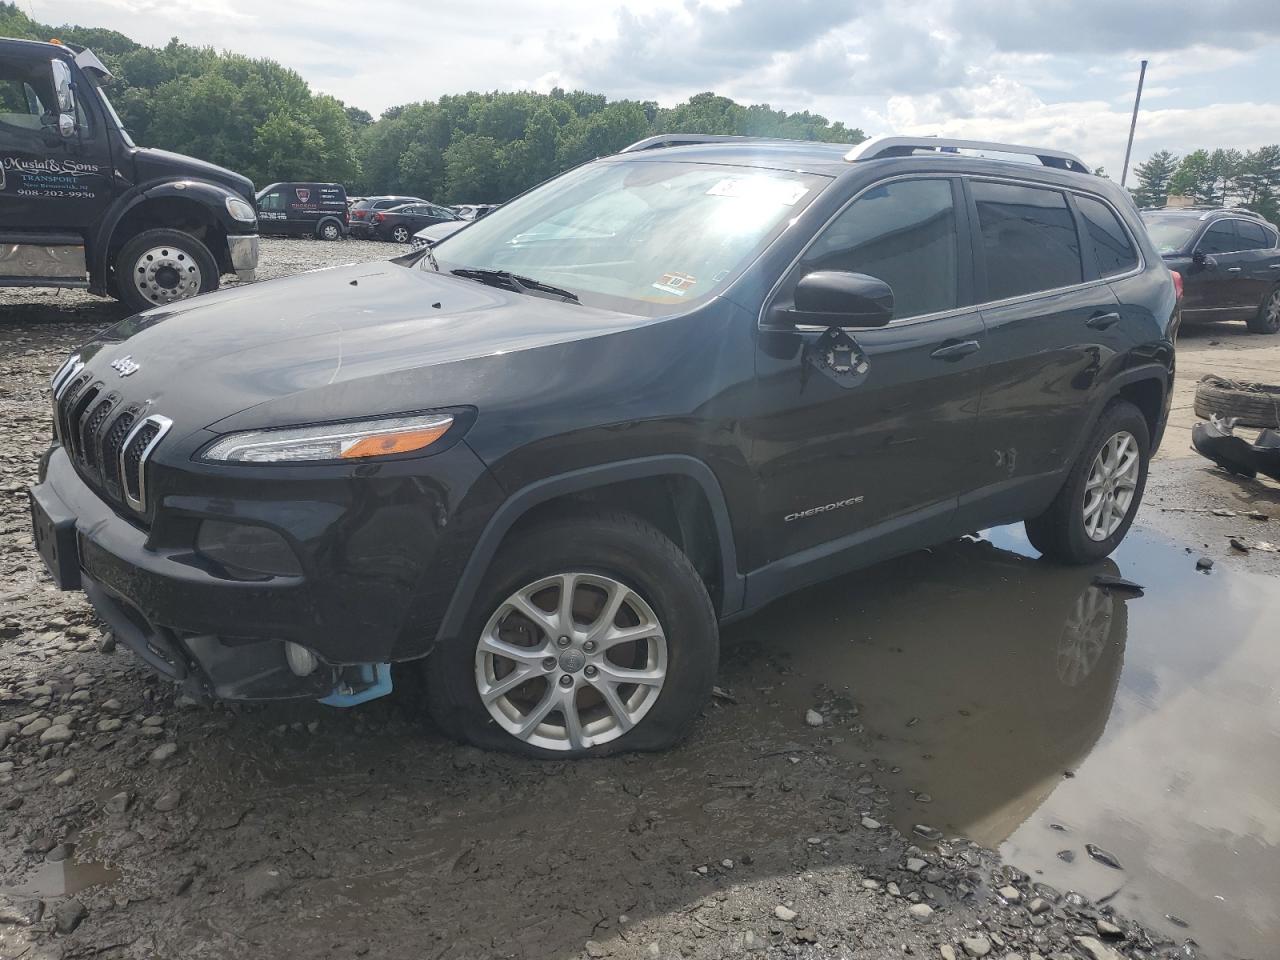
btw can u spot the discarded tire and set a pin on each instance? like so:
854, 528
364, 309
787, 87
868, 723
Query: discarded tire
1252, 404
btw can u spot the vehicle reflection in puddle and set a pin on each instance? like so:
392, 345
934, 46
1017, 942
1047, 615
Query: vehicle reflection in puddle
1032, 710
64, 878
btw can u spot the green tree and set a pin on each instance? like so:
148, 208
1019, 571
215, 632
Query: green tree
1153, 179
1259, 182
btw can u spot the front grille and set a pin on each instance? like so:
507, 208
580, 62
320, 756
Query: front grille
109, 443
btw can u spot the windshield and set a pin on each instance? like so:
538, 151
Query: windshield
1170, 234
115, 117
639, 236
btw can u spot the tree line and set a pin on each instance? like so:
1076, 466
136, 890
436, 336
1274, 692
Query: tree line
263, 120
1219, 177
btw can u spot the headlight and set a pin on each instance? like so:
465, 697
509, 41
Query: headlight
332, 442
241, 210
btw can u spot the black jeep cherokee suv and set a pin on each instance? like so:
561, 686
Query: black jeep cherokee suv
1229, 260
553, 452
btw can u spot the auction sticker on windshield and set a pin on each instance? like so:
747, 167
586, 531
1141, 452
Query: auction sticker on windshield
675, 283
760, 189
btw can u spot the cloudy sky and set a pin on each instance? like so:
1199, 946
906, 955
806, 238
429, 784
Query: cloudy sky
1055, 72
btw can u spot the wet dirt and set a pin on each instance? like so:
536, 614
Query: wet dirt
954, 688
1033, 710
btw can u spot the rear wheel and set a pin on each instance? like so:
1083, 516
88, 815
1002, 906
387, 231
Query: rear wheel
591, 635
1095, 507
329, 230
401, 234
161, 266
1267, 319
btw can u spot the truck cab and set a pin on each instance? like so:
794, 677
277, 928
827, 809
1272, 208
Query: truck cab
81, 205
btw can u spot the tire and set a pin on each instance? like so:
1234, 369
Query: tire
329, 230
1252, 404
596, 549
1267, 319
401, 234
1063, 532
161, 266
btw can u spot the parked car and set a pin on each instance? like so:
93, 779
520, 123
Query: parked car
83, 206
1229, 259
362, 212
304, 210
550, 467
429, 236
474, 211
401, 223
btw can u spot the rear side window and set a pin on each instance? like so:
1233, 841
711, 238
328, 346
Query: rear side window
1111, 246
1029, 239
1252, 236
1219, 238
903, 233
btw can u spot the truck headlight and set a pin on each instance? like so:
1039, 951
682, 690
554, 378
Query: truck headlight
333, 442
241, 210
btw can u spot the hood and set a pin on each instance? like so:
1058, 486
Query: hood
352, 341
152, 163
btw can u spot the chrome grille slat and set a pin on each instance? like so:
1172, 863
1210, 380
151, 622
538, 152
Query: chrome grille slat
78, 408
93, 423
66, 401
111, 447
134, 453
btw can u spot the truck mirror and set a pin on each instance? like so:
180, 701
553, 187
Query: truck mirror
66, 96
67, 124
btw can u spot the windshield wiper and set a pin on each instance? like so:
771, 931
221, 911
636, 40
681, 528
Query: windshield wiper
513, 281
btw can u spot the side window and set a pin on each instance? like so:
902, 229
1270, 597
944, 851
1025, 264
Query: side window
1219, 238
1252, 236
1029, 239
1111, 246
271, 202
903, 233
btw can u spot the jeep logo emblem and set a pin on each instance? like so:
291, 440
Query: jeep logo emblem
125, 365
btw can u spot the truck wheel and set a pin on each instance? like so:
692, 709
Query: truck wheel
1267, 319
329, 230
160, 266
590, 636
401, 234
1095, 507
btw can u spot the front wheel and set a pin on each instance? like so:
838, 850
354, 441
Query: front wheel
1096, 506
591, 635
1267, 319
157, 267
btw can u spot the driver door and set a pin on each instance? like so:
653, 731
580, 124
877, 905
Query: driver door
872, 460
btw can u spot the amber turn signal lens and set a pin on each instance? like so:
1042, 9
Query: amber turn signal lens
387, 443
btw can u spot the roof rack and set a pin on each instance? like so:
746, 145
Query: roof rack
1234, 211
663, 140
905, 146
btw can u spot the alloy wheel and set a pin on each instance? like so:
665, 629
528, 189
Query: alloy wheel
165, 274
1271, 313
571, 661
1113, 480
401, 235
1085, 635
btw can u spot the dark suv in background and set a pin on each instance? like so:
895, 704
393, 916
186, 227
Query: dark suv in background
1229, 260
362, 212
550, 454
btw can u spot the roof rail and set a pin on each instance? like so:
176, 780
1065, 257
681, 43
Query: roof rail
878, 147
688, 139
1234, 211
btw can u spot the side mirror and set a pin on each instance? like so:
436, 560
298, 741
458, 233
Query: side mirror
66, 98
836, 298
1203, 261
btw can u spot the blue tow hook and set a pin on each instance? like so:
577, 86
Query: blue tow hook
378, 678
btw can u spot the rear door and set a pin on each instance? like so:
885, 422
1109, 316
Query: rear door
1054, 334
1259, 262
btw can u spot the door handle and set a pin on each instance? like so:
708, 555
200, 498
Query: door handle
1100, 321
1234, 269
1275, 266
956, 351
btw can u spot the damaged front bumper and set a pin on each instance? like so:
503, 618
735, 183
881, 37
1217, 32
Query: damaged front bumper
86, 546
1216, 440
243, 251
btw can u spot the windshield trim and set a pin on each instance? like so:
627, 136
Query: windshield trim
111, 112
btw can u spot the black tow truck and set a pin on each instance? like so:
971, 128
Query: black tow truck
82, 206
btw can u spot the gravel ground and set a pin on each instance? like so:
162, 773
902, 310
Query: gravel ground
137, 826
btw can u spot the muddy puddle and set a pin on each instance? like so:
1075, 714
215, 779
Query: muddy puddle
1036, 712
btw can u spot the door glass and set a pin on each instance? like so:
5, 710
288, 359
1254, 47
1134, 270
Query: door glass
1029, 239
271, 202
24, 90
1219, 238
903, 233
1111, 246
1252, 236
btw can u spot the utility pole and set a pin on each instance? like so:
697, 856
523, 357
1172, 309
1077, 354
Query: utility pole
1133, 124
